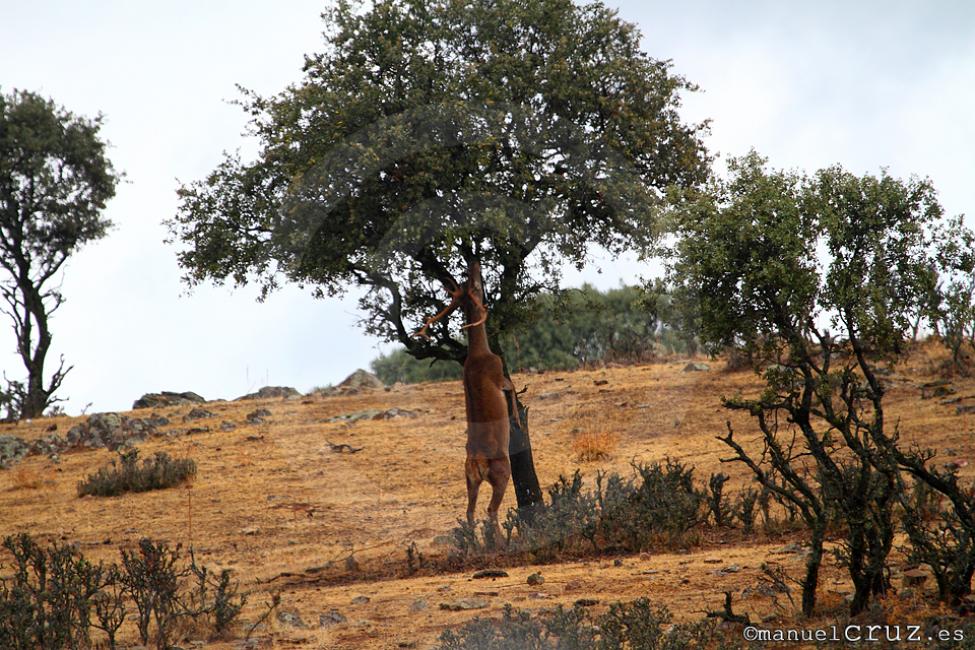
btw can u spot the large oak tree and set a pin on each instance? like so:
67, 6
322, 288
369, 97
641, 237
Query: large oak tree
426, 135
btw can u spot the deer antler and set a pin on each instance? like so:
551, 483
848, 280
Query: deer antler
422, 332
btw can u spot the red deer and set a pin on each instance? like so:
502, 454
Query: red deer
487, 408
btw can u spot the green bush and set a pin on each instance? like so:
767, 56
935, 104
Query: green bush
658, 505
156, 473
55, 597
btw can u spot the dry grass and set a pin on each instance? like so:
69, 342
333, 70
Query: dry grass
591, 446
277, 505
29, 477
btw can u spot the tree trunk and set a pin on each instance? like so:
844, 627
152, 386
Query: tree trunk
523, 475
811, 581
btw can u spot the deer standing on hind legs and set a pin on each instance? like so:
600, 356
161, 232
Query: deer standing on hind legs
488, 429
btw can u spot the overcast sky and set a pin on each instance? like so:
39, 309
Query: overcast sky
807, 84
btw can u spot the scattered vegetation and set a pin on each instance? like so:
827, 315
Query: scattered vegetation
658, 506
156, 473
636, 624
56, 598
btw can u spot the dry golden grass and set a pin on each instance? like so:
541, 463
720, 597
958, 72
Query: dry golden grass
591, 446
277, 505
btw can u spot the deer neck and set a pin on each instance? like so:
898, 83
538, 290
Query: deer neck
477, 342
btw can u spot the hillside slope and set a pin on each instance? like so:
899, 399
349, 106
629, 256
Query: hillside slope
278, 504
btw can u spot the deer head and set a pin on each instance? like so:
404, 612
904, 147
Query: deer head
469, 295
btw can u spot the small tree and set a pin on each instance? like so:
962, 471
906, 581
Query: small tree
429, 135
819, 278
55, 180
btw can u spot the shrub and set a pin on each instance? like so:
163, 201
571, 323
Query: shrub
55, 596
156, 473
659, 504
47, 603
636, 624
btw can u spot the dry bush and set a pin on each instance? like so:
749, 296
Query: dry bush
590, 439
594, 445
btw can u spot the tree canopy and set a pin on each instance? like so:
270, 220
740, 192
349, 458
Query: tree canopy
428, 134
55, 180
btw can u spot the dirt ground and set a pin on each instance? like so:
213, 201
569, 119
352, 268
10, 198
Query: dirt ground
277, 505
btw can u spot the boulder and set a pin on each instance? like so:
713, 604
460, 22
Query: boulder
12, 449
362, 379
167, 398
694, 366
197, 414
271, 392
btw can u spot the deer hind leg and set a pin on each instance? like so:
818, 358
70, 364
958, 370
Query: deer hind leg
499, 472
476, 471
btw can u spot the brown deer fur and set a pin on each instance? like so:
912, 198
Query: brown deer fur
487, 408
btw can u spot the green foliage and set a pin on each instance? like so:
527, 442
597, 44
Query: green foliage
659, 505
429, 134
156, 473
48, 601
575, 327
818, 278
634, 624
55, 596
55, 180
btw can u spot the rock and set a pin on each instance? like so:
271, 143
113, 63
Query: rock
694, 366
167, 398
227, 426
600, 382
360, 600
291, 618
713, 560
586, 602
394, 412
418, 605
464, 604
50, 444
535, 579
938, 391
250, 530
105, 422
362, 379
731, 568
914, 577
257, 417
962, 410
490, 573
272, 392
331, 617
955, 465
197, 414
368, 414
12, 449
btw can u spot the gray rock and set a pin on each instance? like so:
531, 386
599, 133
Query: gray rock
331, 617
360, 600
257, 417
167, 398
464, 604
105, 422
362, 379
962, 410
197, 414
490, 573
694, 366
227, 426
536, 579
12, 449
271, 392
418, 605
291, 618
